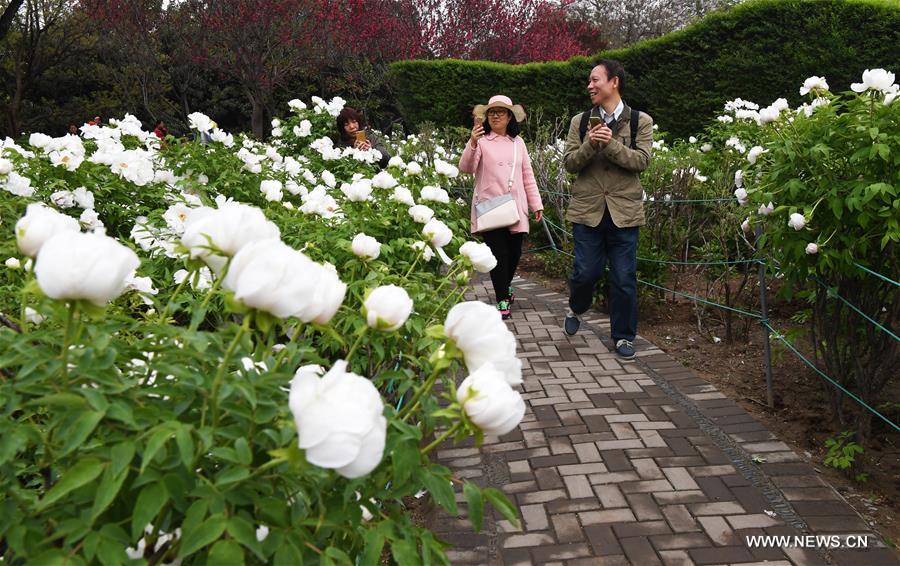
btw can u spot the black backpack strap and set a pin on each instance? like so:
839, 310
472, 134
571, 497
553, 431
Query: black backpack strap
635, 116
583, 126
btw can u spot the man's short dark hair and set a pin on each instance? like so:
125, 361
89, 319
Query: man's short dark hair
613, 69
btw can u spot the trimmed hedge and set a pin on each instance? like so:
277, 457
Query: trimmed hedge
758, 50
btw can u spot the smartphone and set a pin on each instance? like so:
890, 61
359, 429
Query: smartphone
360, 136
595, 121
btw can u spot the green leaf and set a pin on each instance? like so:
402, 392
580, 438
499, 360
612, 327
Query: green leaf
501, 503
61, 400
80, 430
373, 547
185, 443
243, 532
273, 512
440, 488
205, 533
121, 455
404, 552
242, 449
406, 459
78, 475
336, 556
476, 505
157, 440
149, 502
287, 555
226, 552
109, 487
232, 475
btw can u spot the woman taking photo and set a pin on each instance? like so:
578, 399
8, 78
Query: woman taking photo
497, 156
351, 133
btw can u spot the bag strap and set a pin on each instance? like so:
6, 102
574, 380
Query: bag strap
635, 116
512, 172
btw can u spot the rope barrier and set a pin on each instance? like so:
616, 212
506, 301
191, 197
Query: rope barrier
829, 379
876, 274
702, 300
832, 293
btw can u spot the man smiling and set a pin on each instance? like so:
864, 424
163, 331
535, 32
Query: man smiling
607, 147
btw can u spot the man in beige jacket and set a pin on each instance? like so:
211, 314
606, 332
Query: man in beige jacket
607, 148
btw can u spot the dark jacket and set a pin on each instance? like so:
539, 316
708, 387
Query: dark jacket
344, 141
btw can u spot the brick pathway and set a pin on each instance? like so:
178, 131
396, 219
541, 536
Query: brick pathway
637, 462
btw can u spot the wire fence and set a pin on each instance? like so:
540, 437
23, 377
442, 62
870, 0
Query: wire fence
761, 317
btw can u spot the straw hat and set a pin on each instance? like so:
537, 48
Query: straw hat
500, 101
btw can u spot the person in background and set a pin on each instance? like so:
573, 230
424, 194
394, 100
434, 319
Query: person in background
95, 121
606, 208
73, 129
352, 133
489, 155
160, 130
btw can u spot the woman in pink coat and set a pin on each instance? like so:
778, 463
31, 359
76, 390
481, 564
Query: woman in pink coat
489, 156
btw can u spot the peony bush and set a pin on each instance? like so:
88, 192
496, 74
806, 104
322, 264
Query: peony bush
227, 351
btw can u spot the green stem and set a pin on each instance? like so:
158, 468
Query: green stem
220, 374
418, 257
212, 291
414, 401
452, 430
357, 343
283, 353
174, 296
72, 307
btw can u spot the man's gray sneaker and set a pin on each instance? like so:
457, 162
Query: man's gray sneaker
572, 323
625, 349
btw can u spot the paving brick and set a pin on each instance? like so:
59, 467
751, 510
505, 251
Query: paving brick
680, 540
751, 521
718, 530
578, 487
718, 508
647, 469
675, 558
567, 527
679, 518
639, 551
587, 452
644, 507
610, 496
602, 540
528, 540
641, 529
646, 486
535, 517
606, 516
680, 478
720, 555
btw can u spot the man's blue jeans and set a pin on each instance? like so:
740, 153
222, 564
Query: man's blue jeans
594, 246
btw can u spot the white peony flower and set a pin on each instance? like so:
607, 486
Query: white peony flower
437, 233
39, 224
745, 225
413, 168
768, 115
814, 84
480, 255
490, 402
227, 228
403, 195
6, 166
725, 119
692, 139
396, 161
812, 248
272, 189
90, 220
449, 170
365, 247
201, 279
384, 180
387, 308
339, 418
766, 209
739, 178
436, 194
33, 317
92, 267
477, 329
18, 185
270, 276
741, 195
12, 263
143, 286
296, 105
796, 221
873, 79
83, 197
358, 191
200, 121
329, 179
706, 147
755, 152
421, 213
63, 199
277, 132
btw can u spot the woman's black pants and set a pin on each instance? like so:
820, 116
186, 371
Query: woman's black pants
507, 248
